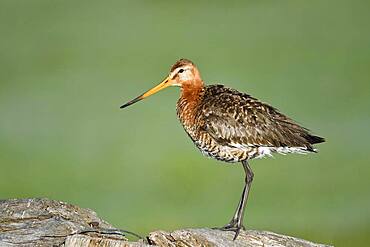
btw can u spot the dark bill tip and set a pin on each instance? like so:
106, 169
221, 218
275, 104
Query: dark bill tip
131, 102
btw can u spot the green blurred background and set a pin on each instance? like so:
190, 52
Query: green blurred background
66, 67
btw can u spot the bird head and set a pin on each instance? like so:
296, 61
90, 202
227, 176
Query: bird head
183, 74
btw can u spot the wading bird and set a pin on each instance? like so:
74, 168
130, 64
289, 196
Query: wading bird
231, 126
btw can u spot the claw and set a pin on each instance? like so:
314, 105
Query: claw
228, 226
233, 227
237, 231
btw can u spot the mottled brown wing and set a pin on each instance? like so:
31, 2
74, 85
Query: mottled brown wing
238, 120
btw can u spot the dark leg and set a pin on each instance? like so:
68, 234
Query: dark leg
236, 222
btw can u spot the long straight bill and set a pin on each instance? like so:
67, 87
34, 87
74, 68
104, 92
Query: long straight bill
165, 83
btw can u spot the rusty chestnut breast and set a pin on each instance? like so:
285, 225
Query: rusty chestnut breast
232, 126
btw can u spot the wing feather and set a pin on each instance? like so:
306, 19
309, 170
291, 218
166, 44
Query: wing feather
239, 120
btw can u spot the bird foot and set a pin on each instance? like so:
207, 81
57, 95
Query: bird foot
233, 227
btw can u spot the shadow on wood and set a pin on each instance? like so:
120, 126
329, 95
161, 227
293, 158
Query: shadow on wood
43, 222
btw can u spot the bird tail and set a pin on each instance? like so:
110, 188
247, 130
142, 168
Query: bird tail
314, 139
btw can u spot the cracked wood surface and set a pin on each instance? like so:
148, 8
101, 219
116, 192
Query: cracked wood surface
208, 237
44, 222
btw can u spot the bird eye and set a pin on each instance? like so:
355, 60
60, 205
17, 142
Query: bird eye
181, 70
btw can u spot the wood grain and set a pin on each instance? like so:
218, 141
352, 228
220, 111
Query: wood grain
44, 222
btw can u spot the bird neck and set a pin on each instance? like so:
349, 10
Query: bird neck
192, 91
191, 95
